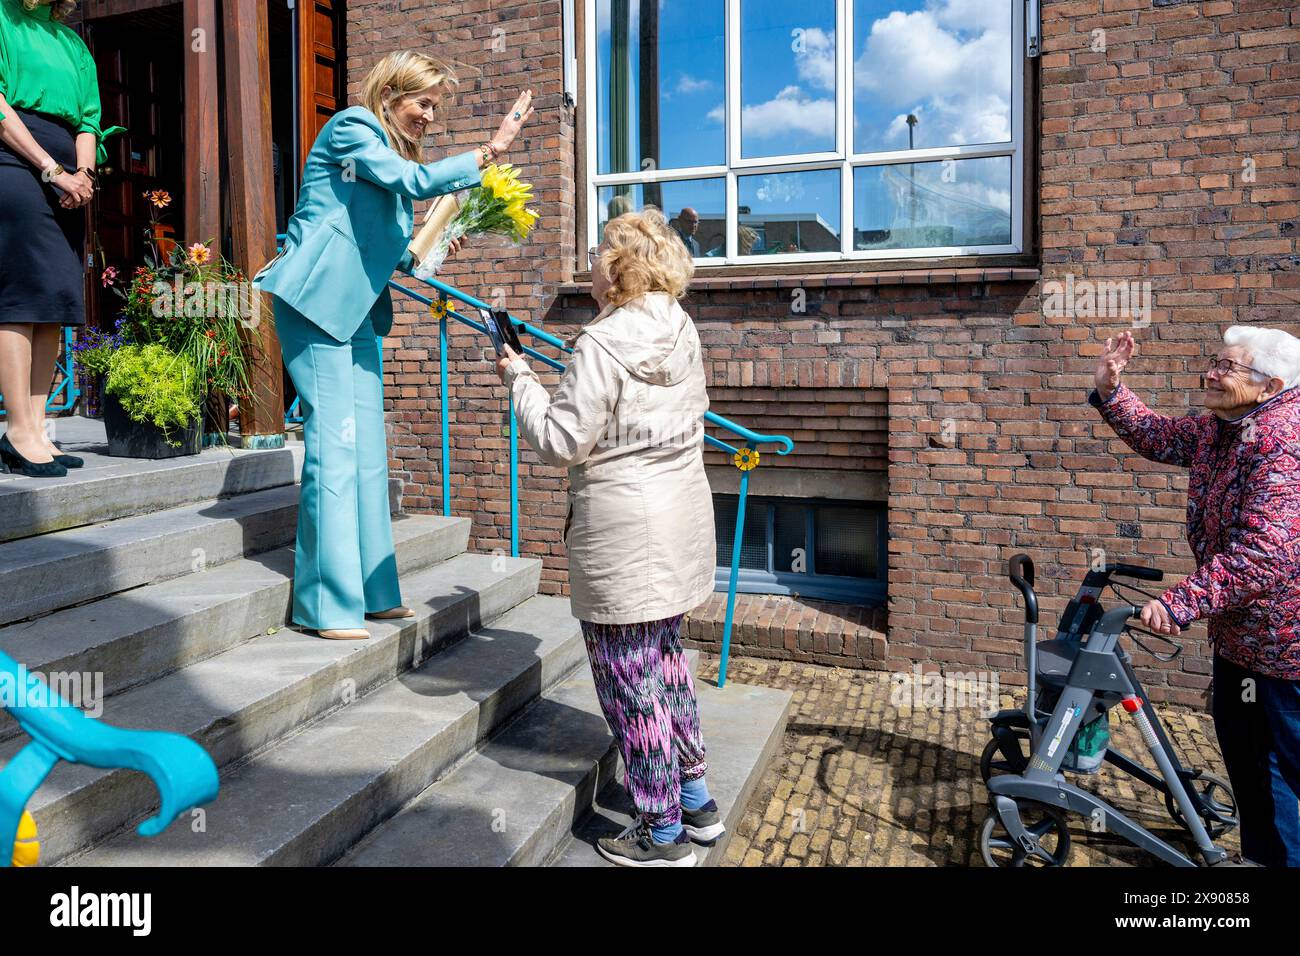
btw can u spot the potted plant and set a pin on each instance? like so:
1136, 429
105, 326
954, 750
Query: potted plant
192, 302
152, 403
94, 349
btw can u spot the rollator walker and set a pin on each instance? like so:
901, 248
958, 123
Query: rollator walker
1074, 680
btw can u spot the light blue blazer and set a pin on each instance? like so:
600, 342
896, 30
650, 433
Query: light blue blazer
353, 224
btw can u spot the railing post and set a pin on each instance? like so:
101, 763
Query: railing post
514, 482
735, 573
442, 404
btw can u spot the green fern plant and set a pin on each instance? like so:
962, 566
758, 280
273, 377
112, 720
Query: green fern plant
155, 385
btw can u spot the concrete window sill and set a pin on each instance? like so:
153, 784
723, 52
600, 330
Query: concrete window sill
705, 282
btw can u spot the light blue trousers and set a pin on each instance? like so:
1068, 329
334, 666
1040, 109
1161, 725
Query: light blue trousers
344, 565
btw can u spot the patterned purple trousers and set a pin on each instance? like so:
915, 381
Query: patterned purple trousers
645, 689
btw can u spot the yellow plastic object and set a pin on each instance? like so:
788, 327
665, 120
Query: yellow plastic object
746, 459
27, 849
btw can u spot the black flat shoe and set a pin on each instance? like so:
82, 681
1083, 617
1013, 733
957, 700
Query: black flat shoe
69, 461
19, 465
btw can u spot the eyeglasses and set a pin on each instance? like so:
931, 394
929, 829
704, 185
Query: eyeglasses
1226, 366
592, 255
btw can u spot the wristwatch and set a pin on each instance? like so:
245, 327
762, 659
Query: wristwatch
90, 174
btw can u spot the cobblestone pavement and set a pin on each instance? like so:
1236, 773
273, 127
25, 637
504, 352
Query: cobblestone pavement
860, 781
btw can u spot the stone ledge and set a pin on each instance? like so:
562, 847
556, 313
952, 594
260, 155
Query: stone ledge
793, 280
792, 628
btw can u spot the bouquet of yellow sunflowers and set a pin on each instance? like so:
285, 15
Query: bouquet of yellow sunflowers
499, 206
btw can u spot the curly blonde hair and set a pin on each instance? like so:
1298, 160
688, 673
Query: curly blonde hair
643, 254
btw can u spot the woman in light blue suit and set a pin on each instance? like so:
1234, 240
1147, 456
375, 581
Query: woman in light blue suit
347, 236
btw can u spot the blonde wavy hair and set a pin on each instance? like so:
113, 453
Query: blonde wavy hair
62, 9
404, 73
643, 254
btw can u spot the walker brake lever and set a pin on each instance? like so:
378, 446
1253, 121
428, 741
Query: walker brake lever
1164, 659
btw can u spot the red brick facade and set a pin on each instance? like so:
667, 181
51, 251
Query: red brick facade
1171, 156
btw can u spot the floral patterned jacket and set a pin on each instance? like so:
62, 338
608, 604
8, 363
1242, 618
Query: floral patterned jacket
1243, 522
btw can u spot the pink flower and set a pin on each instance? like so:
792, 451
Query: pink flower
199, 253
108, 277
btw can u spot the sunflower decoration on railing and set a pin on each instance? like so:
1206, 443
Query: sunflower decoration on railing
27, 849
498, 207
439, 308
746, 459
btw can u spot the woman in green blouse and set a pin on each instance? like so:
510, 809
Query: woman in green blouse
49, 140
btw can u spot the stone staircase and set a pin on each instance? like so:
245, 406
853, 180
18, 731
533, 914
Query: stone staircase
469, 735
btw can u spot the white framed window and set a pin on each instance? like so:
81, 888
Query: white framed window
810, 130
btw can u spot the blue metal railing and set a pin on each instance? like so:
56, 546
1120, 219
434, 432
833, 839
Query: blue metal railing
63, 398
745, 457
183, 772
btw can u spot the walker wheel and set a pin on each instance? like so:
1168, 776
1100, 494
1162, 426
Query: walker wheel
993, 761
1219, 805
1045, 824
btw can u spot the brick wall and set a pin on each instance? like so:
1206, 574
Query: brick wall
1144, 177
991, 449
501, 47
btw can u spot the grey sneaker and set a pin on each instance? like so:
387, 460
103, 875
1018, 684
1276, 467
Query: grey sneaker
636, 846
705, 824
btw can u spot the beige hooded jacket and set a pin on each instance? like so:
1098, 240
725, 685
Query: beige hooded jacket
627, 420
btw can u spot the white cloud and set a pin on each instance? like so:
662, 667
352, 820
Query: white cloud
950, 62
815, 58
789, 111
689, 84
782, 189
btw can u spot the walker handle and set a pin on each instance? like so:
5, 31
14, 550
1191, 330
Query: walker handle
1136, 571
1021, 572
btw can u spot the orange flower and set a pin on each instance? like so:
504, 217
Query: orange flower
159, 198
199, 254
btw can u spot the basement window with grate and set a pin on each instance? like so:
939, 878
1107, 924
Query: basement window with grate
817, 548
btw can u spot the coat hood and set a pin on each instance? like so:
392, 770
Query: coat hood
651, 336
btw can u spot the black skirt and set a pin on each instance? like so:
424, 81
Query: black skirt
42, 269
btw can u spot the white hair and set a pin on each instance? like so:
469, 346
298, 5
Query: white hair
1273, 353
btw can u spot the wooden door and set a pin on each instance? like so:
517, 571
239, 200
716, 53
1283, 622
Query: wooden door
321, 65
140, 68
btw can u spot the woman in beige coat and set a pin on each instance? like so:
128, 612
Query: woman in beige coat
627, 420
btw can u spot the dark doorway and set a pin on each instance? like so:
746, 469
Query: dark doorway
140, 80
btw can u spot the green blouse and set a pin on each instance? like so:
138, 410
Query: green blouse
46, 68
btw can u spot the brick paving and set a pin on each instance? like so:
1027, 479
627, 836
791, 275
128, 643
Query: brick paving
859, 781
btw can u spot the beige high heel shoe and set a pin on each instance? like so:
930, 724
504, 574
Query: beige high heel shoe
345, 634
393, 613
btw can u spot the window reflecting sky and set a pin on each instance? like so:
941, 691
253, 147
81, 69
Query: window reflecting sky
787, 77
692, 81
790, 212
708, 197
963, 202
946, 62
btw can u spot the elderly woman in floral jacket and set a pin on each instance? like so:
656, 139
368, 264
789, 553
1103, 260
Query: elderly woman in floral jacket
1243, 523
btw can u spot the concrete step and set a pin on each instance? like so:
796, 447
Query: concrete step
307, 799
64, 568
109, 488
244, 700
139, 635
743, 728
517, 798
